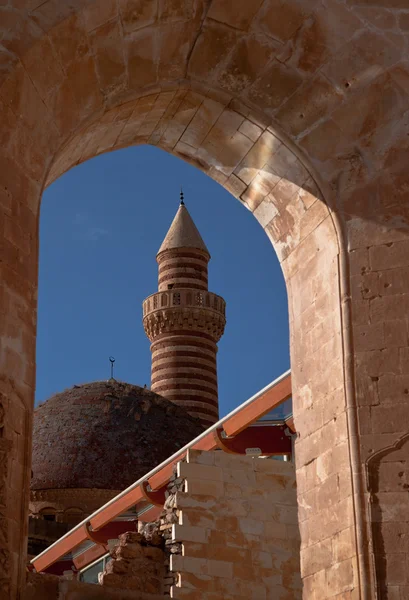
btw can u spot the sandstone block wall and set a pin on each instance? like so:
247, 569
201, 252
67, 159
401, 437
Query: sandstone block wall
238, 529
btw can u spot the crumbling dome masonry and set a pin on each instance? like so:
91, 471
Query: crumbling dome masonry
299, 109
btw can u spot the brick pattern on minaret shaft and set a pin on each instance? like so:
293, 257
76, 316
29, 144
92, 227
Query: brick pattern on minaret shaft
184, 370
183, 269
184, 322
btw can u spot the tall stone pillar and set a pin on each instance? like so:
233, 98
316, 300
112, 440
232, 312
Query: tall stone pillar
184, 322
19, 199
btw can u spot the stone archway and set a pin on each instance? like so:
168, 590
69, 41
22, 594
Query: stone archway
277, 101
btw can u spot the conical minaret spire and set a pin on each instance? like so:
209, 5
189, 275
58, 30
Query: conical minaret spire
183, 233
184, 321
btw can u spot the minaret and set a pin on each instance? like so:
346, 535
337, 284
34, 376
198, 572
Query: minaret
184, 322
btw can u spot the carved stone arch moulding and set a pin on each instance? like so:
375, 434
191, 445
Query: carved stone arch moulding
245, 155
387, 480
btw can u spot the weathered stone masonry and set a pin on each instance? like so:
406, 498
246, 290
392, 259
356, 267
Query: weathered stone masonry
237, 527
299, 108
228, 530
136, 565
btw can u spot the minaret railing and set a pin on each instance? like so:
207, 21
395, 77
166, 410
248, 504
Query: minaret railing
184, 298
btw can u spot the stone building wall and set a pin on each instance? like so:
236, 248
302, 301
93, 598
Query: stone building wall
65, 508
238, 529
64, 501
51, 587
42, 533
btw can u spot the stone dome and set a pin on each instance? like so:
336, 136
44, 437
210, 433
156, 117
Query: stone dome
105, 435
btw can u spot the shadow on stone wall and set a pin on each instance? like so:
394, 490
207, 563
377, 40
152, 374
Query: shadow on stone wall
51, 587
388, 482
42, 534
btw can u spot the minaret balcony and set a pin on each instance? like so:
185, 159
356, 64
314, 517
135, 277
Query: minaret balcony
184, 309
185, 298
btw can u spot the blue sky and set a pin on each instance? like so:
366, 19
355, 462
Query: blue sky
101, 226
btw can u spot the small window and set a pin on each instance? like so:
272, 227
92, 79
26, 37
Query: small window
176, 299
90, 573
170, 286
73, 516
49, 517
199, 299
48, 514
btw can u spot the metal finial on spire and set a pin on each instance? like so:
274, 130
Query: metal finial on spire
112, 360
181, 197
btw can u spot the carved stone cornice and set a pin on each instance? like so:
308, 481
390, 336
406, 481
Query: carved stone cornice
176, 318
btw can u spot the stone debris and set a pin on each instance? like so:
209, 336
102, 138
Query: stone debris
141, 560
